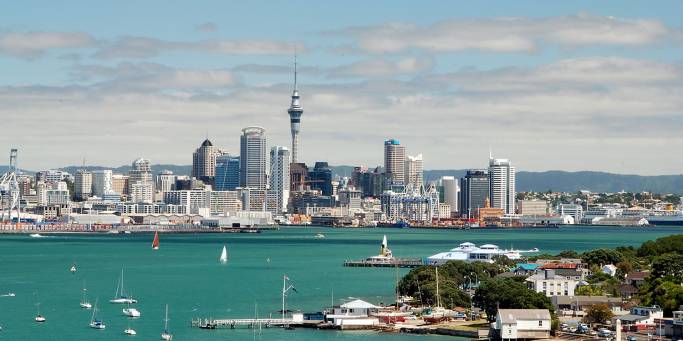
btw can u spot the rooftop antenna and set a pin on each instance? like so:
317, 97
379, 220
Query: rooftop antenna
295, 88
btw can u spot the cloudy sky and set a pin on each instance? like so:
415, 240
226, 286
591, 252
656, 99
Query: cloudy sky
550, 85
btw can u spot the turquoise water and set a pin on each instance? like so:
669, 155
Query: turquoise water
185, 273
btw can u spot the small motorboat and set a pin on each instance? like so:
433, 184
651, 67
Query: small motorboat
40, 318
131, 312
35, 235
319, 236
130, 331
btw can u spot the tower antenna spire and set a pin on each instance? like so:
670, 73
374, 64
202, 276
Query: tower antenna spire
295, 69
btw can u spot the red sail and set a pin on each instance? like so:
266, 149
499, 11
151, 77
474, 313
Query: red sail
155, 243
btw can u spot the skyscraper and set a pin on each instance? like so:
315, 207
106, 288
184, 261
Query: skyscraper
295, 110
450, 192
394, 162
140, 184
279, 176
227, 173
320, 178
474, 191
165, 181
502, 184
102, 182
82, 184
414, 171
253, 158
204, 162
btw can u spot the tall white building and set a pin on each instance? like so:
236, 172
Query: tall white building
451, 192
82, 184
204, 162
279, 176
253, 158
102, 182
414, 171
502, 185
394, 162
140, 183
165, 181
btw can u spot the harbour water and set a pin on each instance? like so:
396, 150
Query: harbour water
186, 274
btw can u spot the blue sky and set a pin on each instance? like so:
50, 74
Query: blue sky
564, 85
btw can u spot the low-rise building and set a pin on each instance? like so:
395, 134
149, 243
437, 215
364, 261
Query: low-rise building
641, 317
552, 284
522, 324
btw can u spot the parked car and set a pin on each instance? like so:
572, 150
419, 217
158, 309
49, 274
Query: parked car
604, 332
631, 338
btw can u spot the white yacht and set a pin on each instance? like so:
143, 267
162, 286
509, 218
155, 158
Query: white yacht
319, 236
35, 235
224, 255
85, 304
121, 296
166, 335
131, 312
130, 331
96, 323
469, 252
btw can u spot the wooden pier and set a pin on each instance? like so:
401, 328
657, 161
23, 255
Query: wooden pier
394, 263
248, 323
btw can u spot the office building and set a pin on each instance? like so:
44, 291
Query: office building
320, 178
532, 207
298, 176
102, 182
279, 176
370, 183
227, 175
474, 191
165, 181
119, 183
450, 193
204, 162
414, 171
295, 111
140, 184
502, 185
394, 162
82, 185
253, 158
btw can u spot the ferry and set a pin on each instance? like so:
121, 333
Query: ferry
665, 218
469, 252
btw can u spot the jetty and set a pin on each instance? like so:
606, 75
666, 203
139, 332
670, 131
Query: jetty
248, 323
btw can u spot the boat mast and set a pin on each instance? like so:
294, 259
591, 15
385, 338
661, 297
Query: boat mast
284, 289
438, 298
166, 320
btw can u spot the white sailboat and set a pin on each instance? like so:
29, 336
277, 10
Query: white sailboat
129, 330
39, 318
96, 323
131, 312
73, 269
121, 296
224, 255
84, 302
165, 335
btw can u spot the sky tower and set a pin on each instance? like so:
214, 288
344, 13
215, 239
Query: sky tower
295, 110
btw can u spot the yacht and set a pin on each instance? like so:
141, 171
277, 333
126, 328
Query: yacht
85, 304
165, 335
73, 269
131, 312
96, 323
39, 318
130, 331
319, 236
469, 252
35, 235
121, 296
224, 255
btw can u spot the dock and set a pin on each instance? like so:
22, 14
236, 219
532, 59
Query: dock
248, 323
392, 263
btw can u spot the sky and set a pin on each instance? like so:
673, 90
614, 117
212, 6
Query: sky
580, 85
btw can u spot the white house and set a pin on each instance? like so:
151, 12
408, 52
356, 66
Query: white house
353, 315
641, 316
609, 269
523, 324
552, 284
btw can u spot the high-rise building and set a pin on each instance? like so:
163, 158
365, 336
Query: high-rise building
279, 176
119, 183
450, 192
140, 184
474, 192
394, 162
227, 173
295, 110
414, 171
298, 176
165, 181
204, 162
502, 185
102, 182
320, 178
253, 158
82, 184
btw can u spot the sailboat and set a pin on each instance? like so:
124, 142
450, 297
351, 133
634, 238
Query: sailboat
224, 255
165, 335
120, 296
73, 268
84, 302
39, 318
155, 242
96, 323
129, 330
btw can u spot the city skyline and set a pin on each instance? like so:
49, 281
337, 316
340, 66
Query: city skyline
579, 86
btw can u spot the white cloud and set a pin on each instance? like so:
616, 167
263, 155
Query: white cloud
32, 45
377, 67
508, 34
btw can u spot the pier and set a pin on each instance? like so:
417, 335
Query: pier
248, 323
393, 263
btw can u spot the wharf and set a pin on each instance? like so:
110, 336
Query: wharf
251, 323
393, 263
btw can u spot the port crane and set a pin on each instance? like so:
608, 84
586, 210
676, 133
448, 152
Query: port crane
9, 189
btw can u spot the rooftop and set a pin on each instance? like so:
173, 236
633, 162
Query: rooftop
514, 315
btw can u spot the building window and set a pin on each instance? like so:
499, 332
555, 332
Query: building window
540, 323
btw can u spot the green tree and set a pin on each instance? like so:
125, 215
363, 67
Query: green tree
598, 313
602, 257
664, 293
673, 243
668, 265
624, 268
588, 290
568, 254
508, 293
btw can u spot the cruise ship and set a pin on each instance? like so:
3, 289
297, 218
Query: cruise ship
657, 217
469, 252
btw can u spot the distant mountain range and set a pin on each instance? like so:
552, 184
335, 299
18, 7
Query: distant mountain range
526, 181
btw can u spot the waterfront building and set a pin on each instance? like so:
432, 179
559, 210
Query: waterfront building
227, 175
141, 192
298, 176
102, 182
414, 171
320, 178
140, 184
119, 183
82, 185
165, 181
24, 183
522, 324
309, 202
351, 198
56, 196
258, 200
502, 185
394, 162
204, 162
444, 211
195, 201
295, 111
551, 284
224, 202
279, 176
370, 183
474, 192
532, 207
469, 252
450, 193
253, 158
573, 210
